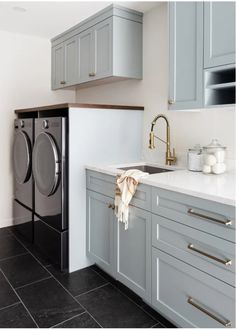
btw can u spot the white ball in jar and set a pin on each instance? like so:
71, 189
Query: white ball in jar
218, 168
210, 160
206, 169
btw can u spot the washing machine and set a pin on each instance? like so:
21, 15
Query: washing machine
23, 181
50, 171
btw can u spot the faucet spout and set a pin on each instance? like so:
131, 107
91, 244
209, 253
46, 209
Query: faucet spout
169, 157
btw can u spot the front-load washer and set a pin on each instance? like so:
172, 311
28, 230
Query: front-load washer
22, 160
23, 182
50, 170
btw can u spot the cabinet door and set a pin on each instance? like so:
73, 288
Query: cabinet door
103, 49
71, 61
188, 296
219, 33
58, 57
185, 55
133, 252
86, 55
100, 226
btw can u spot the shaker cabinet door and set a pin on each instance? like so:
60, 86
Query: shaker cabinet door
58, 58
185, 55
71, 61
219, 33
100, 225
86, 56
103, 49
133, 252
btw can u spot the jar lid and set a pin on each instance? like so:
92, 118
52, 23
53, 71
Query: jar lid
196, 148
214, 145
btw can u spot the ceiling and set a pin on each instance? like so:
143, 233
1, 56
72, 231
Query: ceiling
46, 19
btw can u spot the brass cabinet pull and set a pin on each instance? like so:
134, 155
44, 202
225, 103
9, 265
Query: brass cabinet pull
92, 74
62, 82
226, 323
171, 101
111, 206
207, 217
224, 262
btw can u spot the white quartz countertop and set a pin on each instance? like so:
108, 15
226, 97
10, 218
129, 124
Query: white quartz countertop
217, 188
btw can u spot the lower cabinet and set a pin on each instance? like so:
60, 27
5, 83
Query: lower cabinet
188, 296
124, 254
133, 252
100, 230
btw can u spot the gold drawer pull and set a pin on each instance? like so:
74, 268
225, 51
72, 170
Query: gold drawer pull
171, 102
63, 82
226, 323
92, 74
111, 206
207, 217
224, 262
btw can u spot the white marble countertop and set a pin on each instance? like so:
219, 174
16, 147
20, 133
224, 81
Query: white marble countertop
218, 188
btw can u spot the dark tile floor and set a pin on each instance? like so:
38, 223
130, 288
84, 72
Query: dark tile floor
35, 294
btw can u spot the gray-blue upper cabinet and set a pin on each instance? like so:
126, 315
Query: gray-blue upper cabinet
185, 55
65, 63
58, 62
109, 47
219, 33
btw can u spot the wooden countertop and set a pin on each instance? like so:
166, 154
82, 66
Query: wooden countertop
79, 105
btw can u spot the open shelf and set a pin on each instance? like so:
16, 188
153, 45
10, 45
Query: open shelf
220, 84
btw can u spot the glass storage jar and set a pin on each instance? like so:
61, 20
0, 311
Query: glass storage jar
214, 158
195, 158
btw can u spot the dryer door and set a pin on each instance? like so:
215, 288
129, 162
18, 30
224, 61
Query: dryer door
22, 157
46, 164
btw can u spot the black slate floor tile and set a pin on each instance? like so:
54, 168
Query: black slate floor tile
10, 247
158, 317
23, 270
4, 232
82, 321
7, 295
113, 310
80, 281
32, 249
16, 317
49, 303
103, 274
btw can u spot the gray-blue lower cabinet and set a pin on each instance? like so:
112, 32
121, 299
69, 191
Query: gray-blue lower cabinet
133, 252
100, 230
188, 296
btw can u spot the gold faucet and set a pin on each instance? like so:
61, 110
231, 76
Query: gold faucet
170, 158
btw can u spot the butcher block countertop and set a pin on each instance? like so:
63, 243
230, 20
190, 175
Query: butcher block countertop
66, 106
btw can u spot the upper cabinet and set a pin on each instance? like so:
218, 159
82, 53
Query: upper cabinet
201, 54
185, 55
105, 47
219, 33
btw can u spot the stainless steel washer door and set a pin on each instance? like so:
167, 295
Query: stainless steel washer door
46, 161
22, 157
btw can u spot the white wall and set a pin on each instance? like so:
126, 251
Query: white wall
187, 128
25, 73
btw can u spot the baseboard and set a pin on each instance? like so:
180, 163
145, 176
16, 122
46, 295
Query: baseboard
6, 222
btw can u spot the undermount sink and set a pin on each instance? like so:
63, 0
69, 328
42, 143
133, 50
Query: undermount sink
146, 168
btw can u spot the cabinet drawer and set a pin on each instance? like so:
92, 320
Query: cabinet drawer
102, 183
209, 253
105, 184
211, 217
188, 296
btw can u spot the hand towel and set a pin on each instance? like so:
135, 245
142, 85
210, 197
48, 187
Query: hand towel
126, 185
